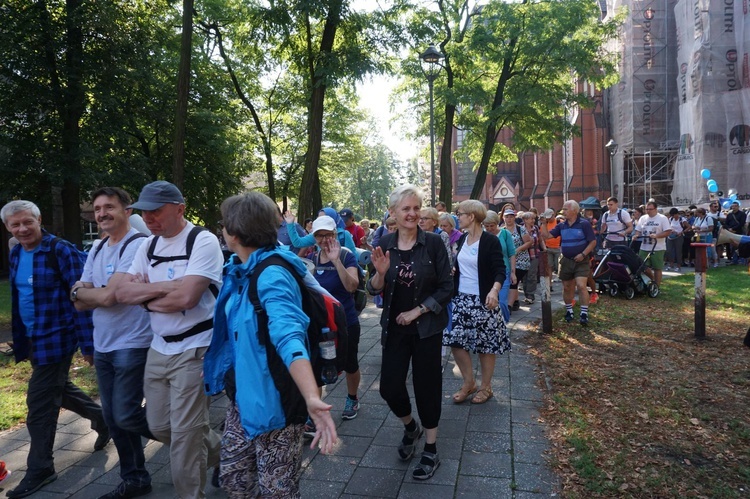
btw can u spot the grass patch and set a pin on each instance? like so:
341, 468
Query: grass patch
5, 305
639, 407
14, 380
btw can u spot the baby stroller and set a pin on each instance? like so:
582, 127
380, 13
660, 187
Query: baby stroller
622, 271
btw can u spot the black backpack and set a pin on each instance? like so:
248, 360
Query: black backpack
129, 240
157, 259
52, 256
324, 312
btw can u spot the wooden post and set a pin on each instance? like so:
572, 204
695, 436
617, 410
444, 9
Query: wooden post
701, 263
544, 271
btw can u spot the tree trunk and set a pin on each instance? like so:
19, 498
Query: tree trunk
446, 170
183, 91
310, 200
490, 138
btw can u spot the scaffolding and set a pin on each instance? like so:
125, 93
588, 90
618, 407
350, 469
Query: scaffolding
649, 175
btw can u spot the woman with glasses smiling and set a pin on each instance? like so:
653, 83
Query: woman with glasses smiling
478, 325
413, 273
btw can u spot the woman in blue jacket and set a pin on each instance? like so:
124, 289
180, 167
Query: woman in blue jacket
261, 449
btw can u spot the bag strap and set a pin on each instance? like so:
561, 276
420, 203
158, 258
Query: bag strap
156, 259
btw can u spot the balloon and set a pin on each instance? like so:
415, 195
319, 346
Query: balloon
711, 182
713, 187
706, 173
731, 191
733, 197
726, 204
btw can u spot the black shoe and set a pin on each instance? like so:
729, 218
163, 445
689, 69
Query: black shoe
102, 440
128, 489
215, 478
516, 306
584, 319
31, 484
568, 316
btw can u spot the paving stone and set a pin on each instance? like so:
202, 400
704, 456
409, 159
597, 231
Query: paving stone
81, 426
474, 487
90, 491
425, 490
490, 423
359, 427
352, 446
530, 452
452, 428
535, 478
487, 442
386, 458
526, 391
318, 488
20, 433
373, 482
156, 452
74, 478
486, 464
330, 468
454, 411
7, 445
529, 432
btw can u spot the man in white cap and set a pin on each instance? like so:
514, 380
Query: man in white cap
175, 276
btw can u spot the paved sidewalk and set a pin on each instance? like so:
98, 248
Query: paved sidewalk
490, 450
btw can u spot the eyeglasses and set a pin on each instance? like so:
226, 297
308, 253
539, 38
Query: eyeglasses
424, 219
220, 223
459, 214
322, 235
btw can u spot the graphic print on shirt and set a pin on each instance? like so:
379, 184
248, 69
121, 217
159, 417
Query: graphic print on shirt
404, 274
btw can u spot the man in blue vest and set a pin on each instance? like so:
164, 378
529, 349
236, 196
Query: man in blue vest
577, 241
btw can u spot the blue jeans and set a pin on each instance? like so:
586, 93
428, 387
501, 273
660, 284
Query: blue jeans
120, 376
503, 297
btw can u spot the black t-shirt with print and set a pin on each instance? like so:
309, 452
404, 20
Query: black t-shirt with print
403, 294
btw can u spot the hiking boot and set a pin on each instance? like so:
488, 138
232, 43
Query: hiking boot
32, 483
128, 489
569, 317
350, 409
309, 430
406, 450
584, 320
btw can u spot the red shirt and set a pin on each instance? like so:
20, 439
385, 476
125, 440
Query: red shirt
357, 233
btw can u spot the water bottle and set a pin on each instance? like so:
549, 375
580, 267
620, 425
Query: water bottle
329, 375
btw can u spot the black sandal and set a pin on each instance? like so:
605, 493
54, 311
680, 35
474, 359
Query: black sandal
427, 466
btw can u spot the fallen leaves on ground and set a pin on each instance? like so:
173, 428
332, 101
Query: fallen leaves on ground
640, 408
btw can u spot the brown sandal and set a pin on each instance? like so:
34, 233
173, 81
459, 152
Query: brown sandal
482, 396
460, 396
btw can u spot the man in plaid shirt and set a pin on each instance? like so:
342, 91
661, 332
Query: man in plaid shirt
47, 330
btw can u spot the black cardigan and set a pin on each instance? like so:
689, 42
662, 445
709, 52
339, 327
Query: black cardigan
490, 264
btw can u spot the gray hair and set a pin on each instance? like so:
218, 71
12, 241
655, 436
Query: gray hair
528, 215
403, 192
474, 207
492, 218
448, 218
253, 218
18, 206
573, 205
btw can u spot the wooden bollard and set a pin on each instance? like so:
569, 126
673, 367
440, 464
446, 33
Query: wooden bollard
544, 271
701, 263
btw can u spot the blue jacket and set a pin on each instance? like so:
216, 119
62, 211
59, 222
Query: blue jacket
235, 340
59, 329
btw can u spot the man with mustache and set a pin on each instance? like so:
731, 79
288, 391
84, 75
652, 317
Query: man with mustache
122, 335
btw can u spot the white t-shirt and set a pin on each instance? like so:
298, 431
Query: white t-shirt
468, 257
121, 326
648, 226
206, 261
676, 226
615, 228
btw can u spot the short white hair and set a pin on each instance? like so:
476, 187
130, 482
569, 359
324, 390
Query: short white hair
18, 206
573, 205
403, 192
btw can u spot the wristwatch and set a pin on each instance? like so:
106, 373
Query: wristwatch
422, 309
74, 294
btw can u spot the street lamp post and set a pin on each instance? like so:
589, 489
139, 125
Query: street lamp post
431, 68
611, 146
